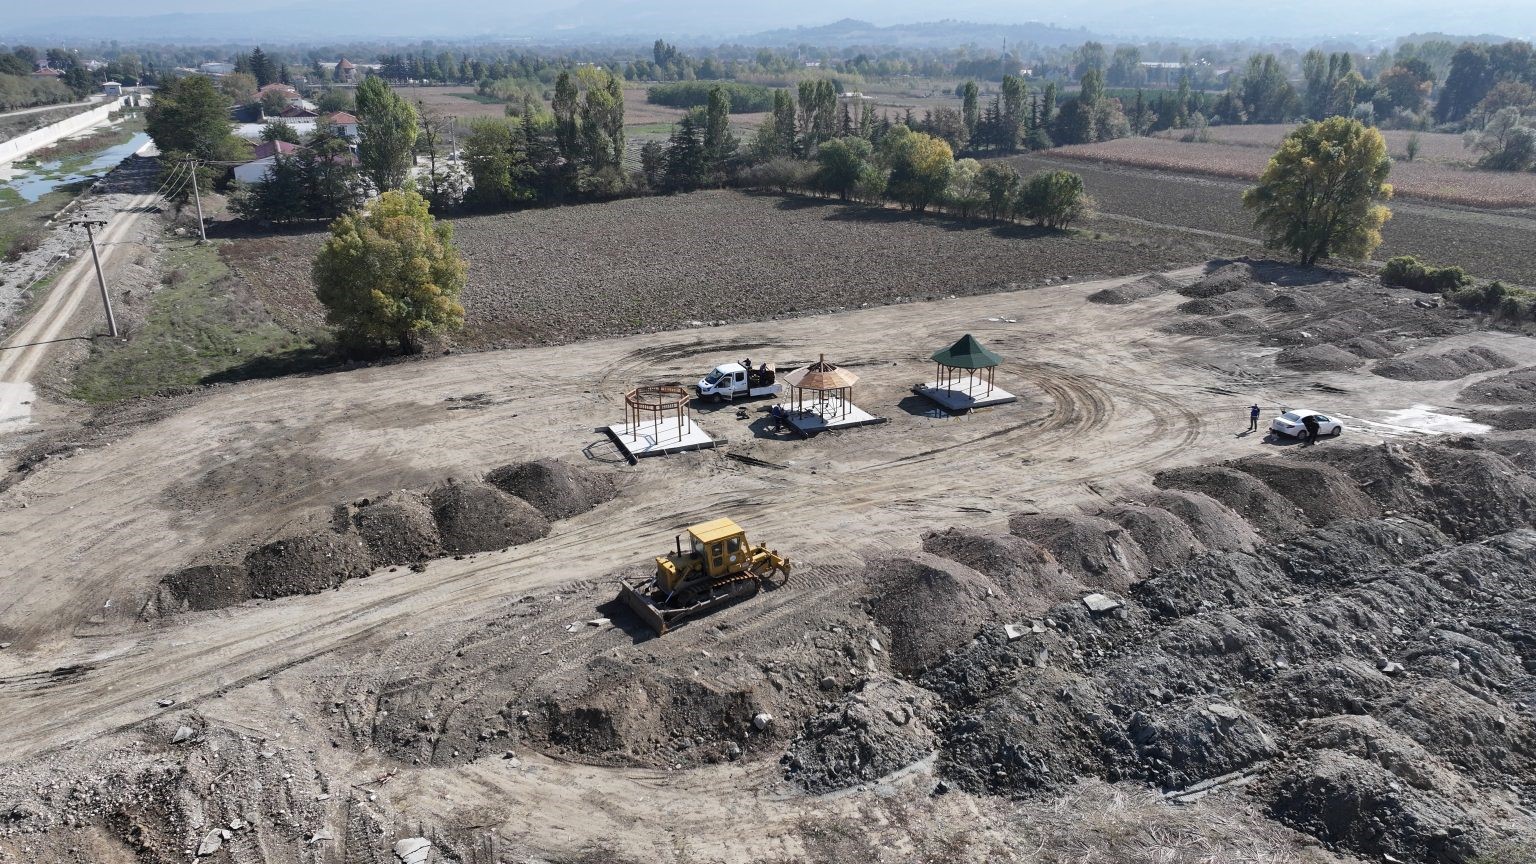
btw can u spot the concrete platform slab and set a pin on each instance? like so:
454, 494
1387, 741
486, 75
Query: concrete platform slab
660, 438
829, 414
963, 394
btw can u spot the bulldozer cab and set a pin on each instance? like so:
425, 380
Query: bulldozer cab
715, 549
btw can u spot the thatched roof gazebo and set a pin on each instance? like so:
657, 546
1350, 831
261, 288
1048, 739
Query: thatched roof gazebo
962, 364
831, 388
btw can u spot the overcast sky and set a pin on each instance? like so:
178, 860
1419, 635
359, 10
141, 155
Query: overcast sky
341, 20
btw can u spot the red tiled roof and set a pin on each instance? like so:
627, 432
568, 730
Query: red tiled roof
48, 72
268, 149
342, 118
345, 64
297, 111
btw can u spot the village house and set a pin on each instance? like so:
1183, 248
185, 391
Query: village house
265, 156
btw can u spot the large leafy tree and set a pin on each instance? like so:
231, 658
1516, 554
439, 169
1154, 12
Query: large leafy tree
390, 274
1053, 199
1323, 190
495, 163
387, 129
920, 167
189, 115
840, 163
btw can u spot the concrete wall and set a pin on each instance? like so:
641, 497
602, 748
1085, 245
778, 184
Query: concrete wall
37, 139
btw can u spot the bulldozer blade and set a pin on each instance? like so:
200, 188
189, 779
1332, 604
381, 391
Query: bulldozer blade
644, 607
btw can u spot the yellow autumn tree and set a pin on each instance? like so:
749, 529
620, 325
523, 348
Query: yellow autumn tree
390, 274
1322, 191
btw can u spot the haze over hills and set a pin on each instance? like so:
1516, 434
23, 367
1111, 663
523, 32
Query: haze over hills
283, 20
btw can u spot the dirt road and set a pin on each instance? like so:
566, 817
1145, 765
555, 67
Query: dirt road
71, 310
89, 537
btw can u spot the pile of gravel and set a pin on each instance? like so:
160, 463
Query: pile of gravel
305, 564
1097, 551
204, 586
1228, 278
1507, 419
1322, 492
555, 488
1294, 301
929, 606
1130, 292
1270, 514
398, 528
477, 517
1369, 347
1236, 324
1028, 574
865, 736
1317, 358
1511, 388
1213, 524
1162, 537
1446, 366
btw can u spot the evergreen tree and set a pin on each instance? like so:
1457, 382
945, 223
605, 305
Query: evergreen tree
970, 109
685, 160
784, 121
567, 126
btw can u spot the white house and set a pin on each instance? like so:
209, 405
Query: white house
265, 156
346, 124
216, 68
112, 88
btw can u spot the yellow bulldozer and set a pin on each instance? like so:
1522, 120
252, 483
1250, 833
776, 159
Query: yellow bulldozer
719, 567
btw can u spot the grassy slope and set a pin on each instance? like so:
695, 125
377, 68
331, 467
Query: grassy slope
197, 326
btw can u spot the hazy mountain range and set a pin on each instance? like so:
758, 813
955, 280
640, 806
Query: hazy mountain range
765, 23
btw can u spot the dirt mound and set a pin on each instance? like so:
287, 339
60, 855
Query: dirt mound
397, 527
1446, 366
1228, 278
1250, 297
1511, 388
203, 587
1225, 325
1323, 689
1463, 489
1506, 419
1270, 514
1359, 806
1369, 347
929, 606
1130, 292
1321, 492
1028, 574
1097, 551
557, 489
1294, 301
306, 564
1213, 523
869, 734
1518, 447
1317, 358
1181, 745
1465, 730
476, 517
1163, 537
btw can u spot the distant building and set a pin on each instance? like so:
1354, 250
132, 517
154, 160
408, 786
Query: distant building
47, 72
216, 68
297, 112
346, 124
112, 88
265, 156
346, 71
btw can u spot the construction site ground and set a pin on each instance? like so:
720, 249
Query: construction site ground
1107, 397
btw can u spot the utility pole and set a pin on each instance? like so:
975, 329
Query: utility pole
101, 281
199, 201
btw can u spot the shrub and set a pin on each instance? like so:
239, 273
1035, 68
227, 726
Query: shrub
23, 244
1406, 271
1054, 199
745, 98
1497, 299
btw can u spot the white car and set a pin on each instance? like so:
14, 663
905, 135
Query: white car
1293, 423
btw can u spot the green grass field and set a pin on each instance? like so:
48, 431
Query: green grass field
200, 323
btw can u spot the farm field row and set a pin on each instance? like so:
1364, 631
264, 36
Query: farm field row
1429, 181
1489, 245
1443, 147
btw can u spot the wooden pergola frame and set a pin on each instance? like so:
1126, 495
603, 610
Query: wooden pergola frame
652, 403
946, 376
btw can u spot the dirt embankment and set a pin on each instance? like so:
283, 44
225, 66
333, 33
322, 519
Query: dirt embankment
461, 516
1331, 631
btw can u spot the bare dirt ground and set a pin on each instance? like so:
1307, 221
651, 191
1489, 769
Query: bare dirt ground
470, 702
543, 276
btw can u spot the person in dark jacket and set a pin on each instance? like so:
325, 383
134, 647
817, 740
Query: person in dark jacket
1310, 422
1253, 418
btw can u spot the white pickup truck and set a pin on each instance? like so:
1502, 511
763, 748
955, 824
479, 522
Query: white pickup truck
730, 381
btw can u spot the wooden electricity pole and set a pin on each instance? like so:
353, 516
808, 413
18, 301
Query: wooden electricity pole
101, 281
201, 233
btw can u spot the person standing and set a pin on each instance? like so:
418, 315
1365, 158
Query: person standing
1253, 418
1310, 422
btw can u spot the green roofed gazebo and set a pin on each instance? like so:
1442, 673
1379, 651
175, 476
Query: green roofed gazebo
962, 364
